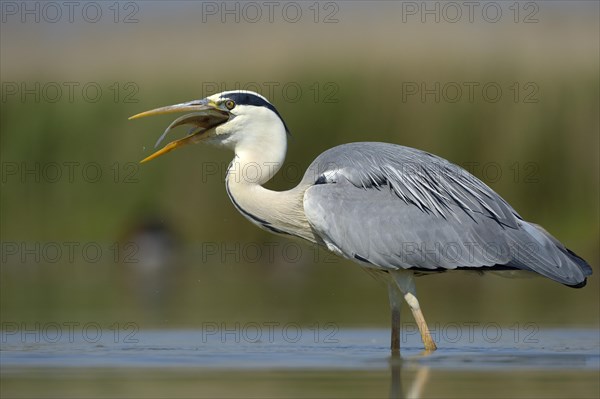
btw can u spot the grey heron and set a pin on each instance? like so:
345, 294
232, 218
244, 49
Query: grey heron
396, 211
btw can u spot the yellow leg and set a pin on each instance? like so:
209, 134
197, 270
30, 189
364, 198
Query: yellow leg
404, 281
413, 303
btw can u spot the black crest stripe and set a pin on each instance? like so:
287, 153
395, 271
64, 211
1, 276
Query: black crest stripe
247, 98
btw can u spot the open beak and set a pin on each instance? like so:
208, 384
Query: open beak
203, 117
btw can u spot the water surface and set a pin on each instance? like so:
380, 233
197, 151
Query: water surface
264, 361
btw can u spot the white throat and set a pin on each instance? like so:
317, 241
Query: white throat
258, 157
260, 144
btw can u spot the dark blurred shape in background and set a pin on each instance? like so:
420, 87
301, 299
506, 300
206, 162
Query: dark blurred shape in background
151, 278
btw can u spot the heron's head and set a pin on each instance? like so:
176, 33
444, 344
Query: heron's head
240, 120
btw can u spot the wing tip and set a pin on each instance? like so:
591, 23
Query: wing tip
578, 285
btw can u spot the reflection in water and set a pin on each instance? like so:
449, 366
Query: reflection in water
417, 384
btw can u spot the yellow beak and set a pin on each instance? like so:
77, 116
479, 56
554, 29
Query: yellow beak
204, 116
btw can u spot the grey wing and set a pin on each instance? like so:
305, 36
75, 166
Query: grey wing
391, 207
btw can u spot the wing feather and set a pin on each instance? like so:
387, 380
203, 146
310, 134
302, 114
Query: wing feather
394, 207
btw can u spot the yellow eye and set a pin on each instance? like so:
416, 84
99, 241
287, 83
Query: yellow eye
230, 104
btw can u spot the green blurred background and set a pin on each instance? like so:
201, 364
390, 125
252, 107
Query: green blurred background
88, 235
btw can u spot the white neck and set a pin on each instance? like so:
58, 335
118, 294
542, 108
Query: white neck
278, 212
